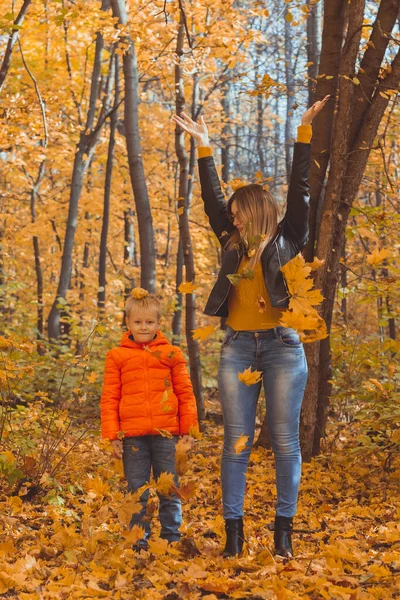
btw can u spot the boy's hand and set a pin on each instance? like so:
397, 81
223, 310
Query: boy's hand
313, 111
117, 448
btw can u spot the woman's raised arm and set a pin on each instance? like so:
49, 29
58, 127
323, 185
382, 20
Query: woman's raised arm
198, 131
214, 200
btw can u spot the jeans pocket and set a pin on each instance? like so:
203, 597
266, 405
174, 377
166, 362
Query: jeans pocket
289, 338
230, 335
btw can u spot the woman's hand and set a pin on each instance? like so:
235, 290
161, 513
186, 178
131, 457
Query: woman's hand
313, 110
197, 130
117, 448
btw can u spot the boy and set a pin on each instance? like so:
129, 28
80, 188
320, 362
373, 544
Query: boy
146, 389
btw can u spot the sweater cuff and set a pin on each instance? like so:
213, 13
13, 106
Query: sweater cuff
304, 134
204, 151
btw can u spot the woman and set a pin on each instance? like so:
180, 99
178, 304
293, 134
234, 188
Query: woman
251, 292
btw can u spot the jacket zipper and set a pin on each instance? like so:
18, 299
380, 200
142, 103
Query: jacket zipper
280, 267
147, 391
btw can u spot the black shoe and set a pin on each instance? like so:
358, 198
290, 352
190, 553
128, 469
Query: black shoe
234, 537
283, 536
140, 545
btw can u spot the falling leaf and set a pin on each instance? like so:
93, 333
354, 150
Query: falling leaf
188, 287
120, 435
241, 443
187, 490
250, 377
181, 210
158, 546
165, 484
129, 507
301, 314
134, 535
202, 333
262, 305
316, 264
164, 433
237, 183
195, 432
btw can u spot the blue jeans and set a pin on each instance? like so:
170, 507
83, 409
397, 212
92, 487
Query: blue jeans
159, 453
279, 355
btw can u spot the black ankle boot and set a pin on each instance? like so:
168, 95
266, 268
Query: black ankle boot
234, 537
283, 536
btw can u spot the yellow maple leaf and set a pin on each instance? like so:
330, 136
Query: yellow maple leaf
134, 535
316, 263
158, 546
181, 458
250, 377
165, 484
92, 377
377, 256
129, 507
241, 443
195, 432
187, 490
188, 287
301, 314
237, 183
164, 433
202, 333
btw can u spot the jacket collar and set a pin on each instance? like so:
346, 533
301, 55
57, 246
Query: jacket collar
128, 341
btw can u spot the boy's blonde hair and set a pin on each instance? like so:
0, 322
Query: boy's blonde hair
140, 299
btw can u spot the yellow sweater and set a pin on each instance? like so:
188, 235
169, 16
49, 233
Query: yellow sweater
249, 306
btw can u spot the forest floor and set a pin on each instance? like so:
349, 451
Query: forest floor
72, 543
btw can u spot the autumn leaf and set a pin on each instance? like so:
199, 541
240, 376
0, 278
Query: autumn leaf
165, 484
158, 546
134, 535
301, 314
377, 256
250, 377
129, 507
92, 377
202, 333
188, 287
237, 183
181, 459
195, 432
241, 443
164, 433
187, 490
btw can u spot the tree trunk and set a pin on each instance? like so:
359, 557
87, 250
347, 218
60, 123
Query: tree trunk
348, 158
226, 134
101, 294
289, 80
85, 149
136, 169
190, 314
12, 40
38, 266
313, 46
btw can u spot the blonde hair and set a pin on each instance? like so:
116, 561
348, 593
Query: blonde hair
143, 301
257, 208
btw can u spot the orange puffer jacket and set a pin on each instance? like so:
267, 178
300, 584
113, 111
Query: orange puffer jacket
146, 388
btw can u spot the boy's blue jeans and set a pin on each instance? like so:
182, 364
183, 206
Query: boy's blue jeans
279, 355
140, 454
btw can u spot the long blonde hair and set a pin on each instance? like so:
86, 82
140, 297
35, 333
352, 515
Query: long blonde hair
259, 211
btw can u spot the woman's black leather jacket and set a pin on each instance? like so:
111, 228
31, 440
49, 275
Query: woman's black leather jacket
291, 236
